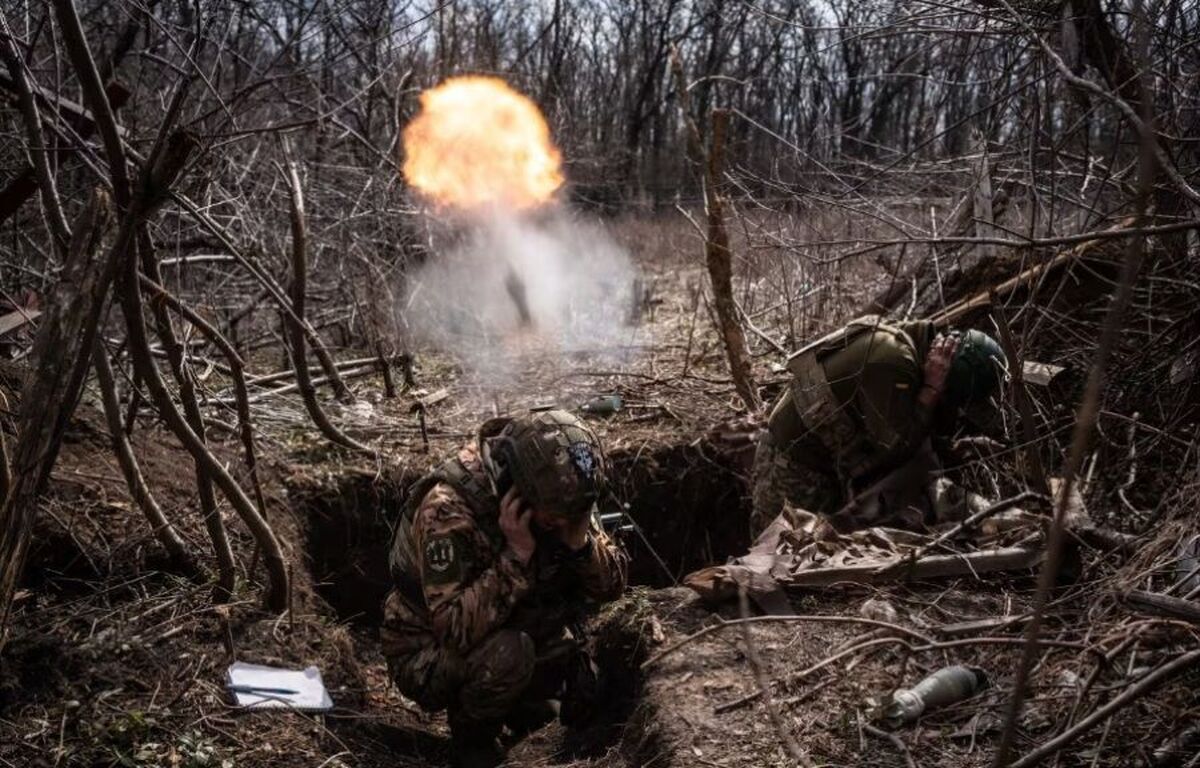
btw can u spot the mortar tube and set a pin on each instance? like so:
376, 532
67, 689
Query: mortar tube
516, 291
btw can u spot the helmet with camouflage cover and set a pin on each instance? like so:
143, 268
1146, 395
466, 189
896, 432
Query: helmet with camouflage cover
976, 371
553, 458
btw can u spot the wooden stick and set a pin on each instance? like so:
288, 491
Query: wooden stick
1033, 459
757, 619
919, 552
764, 689
931, 567
1133, 693
1175, 607
139, 491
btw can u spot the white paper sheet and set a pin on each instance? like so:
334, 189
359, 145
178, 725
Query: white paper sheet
301, 689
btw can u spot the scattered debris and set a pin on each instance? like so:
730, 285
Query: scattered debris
1040, 374
800, 550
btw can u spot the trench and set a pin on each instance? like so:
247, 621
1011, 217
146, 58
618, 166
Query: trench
691, 508
688, 502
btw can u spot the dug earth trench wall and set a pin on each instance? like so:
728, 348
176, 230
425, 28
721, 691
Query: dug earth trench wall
687, 507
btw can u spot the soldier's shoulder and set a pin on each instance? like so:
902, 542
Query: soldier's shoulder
887, 348
443, 502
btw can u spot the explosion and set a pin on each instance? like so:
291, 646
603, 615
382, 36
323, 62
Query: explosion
478, 143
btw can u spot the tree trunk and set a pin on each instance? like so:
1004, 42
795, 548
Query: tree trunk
719, 260
62, 338
717, 255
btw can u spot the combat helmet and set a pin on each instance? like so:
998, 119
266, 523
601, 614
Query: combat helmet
976, 371
552, 457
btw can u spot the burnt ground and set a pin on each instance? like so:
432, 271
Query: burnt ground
111, 660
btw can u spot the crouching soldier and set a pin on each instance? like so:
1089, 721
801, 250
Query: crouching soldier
850, 437
495, 558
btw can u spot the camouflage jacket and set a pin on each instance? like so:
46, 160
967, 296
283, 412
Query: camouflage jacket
462, 583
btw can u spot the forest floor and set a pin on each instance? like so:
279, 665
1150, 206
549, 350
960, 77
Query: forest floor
110, 660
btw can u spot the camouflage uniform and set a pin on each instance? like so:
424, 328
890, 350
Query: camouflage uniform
850, 416
468, 627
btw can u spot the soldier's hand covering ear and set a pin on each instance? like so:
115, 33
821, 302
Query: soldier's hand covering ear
514, 522
937, 363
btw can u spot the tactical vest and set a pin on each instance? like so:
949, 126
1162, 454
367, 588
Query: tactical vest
403, 563
854, 452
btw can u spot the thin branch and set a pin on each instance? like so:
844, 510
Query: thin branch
295, 328
38, 151
764, 687
139, 491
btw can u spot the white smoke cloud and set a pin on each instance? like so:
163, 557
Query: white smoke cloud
577, 285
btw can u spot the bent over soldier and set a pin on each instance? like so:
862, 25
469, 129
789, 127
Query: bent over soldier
494, 561
850, 437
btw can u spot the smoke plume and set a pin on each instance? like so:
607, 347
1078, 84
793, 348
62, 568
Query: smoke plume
574, 281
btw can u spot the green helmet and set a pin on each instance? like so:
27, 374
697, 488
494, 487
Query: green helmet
553, 458
975, 373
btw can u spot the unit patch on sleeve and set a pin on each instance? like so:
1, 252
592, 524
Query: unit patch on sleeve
443, 560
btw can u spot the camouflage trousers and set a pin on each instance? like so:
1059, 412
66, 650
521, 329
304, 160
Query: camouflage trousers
486, 684
778, 476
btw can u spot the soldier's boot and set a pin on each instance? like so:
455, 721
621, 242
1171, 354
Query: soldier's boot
474, 744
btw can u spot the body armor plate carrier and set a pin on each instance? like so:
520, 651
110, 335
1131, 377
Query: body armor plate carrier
854, 452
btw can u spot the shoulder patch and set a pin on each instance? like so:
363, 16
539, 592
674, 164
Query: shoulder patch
442, 561
583, 458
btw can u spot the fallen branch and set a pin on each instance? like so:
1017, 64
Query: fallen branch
983, 514
342, 365
1164, 605
1133, 693
760, 678
761, 619
952, 314
892, 739
364, 369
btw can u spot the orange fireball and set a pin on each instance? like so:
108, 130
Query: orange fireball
478, 143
